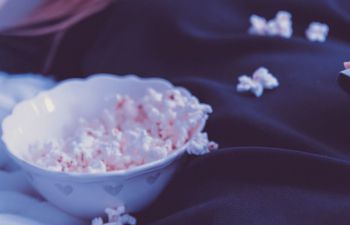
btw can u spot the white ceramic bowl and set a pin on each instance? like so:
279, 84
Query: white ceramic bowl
53, 112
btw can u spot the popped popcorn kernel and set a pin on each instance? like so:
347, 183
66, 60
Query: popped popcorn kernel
281, 25
246, 83
201, 145
130, 133
260, 80
267, 80
116, 216
97, 221
317, 32
258, 25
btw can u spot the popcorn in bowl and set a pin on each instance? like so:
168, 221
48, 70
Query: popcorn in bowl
130, 133
105, 141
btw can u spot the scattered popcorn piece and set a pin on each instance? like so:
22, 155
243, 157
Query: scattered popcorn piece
129, 133
265, 78
116, 217
284, 24
258, 25
261, 79
97, 221
113, 214
248, 84
317, 32
281, 25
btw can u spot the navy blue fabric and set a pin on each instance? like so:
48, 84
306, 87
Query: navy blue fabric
300, 173
23, 54
284, 157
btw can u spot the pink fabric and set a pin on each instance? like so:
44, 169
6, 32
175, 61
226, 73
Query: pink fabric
66, 12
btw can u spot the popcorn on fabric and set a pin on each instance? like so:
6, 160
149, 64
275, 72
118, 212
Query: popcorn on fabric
258, 25
246, 83
130, 133
317, 32
116, 216
281, 25
265, 78
97, 221
260, 80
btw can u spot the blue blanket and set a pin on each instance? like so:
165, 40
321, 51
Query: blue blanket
284, 157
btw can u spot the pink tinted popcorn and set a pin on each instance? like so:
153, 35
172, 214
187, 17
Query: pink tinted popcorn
130, 133
317, 32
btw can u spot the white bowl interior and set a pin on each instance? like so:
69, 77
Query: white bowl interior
54, 113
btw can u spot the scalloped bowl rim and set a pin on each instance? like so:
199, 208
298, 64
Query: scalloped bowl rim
136, 171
